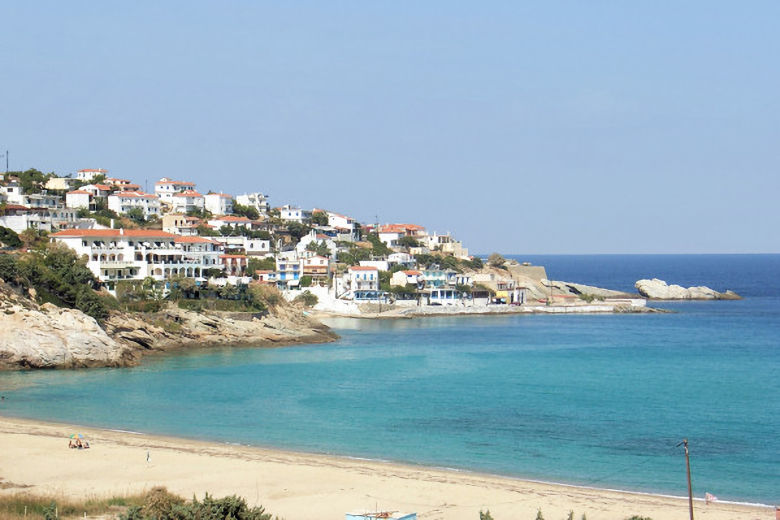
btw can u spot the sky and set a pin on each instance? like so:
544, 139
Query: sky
520, 127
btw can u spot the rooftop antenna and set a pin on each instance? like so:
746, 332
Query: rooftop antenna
6, 160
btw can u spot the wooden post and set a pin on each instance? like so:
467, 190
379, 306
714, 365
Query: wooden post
688, 470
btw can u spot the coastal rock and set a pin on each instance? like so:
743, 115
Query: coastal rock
656, 289
47, 336
175, 328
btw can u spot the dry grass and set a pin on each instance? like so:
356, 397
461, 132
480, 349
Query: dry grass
24, 506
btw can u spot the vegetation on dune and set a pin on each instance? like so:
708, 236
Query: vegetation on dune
157, 504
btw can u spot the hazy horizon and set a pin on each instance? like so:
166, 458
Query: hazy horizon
564, 128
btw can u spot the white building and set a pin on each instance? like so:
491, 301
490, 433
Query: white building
410, 277
251, 246
218, 203
445, 244
122, 202
314, 237
292, 213
14, 194
88, 174
19, 218
78, 199
98, 191
230, 220
134, 254
166, 188
186, 201
363, 278
254, 200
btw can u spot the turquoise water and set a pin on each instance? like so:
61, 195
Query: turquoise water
592, 400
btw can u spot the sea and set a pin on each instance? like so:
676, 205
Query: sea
591, 400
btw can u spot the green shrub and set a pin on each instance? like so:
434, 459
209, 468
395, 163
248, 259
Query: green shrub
10, 238
307, 299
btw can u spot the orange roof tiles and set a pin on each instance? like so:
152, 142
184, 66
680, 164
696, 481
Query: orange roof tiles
180, 183
363, 268
188, 193
78, 192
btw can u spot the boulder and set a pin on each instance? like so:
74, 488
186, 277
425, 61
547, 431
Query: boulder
656, 289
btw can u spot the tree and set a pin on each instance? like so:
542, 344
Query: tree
321, 248
319, 218
228, 292
408, 242
136, 215
205, 231
379, 248
307, 299
486, 515
298, 230
496, 260
306, 281
245, 211
9, 237
258, 264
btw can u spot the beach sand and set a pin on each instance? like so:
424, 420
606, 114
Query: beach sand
300, 486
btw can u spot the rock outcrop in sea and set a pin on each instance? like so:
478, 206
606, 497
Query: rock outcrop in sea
656, 289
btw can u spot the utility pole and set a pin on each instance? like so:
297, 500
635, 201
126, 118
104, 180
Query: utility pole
6, 161
684, 443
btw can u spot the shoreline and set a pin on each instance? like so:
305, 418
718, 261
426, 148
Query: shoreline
288, 483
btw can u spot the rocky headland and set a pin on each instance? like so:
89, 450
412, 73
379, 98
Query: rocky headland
47, 336
656, 289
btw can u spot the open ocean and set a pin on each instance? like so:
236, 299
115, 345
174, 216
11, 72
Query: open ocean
591, 400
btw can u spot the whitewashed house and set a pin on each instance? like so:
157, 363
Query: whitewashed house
254, 200
166, 188
230, 220
409, 277
363, 278
250, 246
78, 199
293, 213
218, 203
186, 201
122, 202
88, 174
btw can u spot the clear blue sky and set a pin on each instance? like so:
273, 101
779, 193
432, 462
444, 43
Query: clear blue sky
539, 127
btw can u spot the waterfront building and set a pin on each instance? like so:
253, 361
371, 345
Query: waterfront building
134, 254
363, 278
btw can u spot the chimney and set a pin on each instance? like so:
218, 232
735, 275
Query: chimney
121, 231
112, 223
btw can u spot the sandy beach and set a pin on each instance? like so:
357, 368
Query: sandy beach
300, 486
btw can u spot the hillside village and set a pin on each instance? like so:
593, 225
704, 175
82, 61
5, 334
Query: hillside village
177, 239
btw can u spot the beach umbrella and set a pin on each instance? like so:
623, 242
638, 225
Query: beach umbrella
77, 436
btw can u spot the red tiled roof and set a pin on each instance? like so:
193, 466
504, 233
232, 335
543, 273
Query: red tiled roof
412, 273
224, 195
78, 192
188, 193
103, 187
399, 228
136, 194
134, 233
232, 256
363, 268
